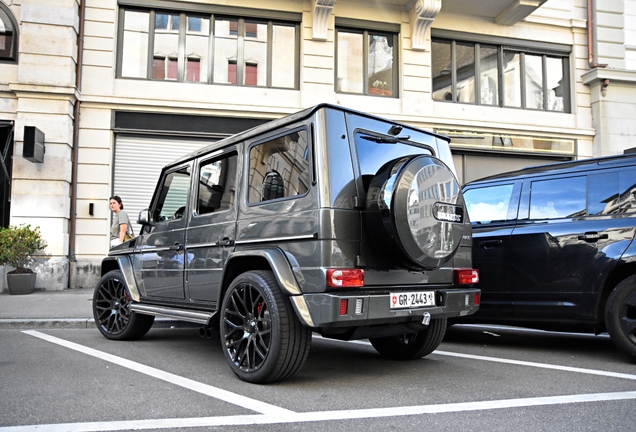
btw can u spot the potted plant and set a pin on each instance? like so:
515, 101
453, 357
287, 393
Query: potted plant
17, 246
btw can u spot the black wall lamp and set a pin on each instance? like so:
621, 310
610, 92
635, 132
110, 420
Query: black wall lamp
33, 148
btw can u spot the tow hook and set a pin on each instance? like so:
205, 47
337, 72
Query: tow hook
426, 319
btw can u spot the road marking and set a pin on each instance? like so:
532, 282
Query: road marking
513, 362
215, 392
538, 365
321, 416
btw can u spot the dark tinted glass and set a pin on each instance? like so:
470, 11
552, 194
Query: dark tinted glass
602, 193
627, 188
372, 155
217, 180
558, 198
279, 168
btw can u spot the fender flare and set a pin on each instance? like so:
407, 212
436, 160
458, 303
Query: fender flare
125, 265
281, 264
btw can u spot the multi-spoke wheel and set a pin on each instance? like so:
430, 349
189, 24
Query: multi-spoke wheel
412, 345
111, 310
620, 316
261, 336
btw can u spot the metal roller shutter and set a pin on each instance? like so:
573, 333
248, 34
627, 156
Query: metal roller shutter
138, 163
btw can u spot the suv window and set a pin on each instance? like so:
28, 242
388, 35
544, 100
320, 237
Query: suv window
558, 198
489, 204
217, 184
375, 150
279, 168
173, 195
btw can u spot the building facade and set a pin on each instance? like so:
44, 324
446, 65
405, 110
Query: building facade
114, 89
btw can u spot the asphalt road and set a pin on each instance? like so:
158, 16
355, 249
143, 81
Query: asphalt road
480, 379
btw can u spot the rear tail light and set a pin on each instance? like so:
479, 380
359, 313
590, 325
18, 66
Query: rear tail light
477, 299
466, 276
345, 278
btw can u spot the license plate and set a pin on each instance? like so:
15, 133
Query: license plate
412, 299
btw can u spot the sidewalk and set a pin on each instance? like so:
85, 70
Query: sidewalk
47, 309
58, 309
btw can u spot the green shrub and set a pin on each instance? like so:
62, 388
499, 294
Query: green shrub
18, 244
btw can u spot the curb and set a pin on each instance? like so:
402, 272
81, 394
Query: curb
79, 323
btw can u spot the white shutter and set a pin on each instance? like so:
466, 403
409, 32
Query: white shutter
138, 163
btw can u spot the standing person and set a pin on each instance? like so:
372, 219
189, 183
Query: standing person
121, 222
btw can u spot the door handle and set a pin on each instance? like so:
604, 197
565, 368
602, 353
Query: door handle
226, 242
592, 236
489, 244
176, 246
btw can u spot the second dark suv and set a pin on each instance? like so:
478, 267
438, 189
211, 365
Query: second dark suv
555, 247
328, 220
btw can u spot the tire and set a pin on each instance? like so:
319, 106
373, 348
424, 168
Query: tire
412, 345
415, 213
111, 310
262, 339
620, 316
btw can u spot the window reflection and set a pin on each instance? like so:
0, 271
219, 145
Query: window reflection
380, 67
502, 72
135, 44
350, 62
559, 198
534, 82
246, 53
488, 76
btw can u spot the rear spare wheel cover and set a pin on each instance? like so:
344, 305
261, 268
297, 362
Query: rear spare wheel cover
421, 210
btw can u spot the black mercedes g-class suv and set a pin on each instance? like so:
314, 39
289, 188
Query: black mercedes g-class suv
328, 220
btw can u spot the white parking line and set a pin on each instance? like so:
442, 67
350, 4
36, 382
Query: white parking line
321, 416
271, 414
513, 362
224, 395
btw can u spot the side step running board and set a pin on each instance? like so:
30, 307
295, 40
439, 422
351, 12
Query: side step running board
178, 314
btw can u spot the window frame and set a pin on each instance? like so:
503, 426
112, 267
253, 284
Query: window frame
210, 12
13, 55
545, 50
347, 25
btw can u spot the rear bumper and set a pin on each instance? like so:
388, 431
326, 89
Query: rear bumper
323, 309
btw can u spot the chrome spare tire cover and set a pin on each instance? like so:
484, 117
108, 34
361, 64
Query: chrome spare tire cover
416, 208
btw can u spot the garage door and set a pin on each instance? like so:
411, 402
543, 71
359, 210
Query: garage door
138, 164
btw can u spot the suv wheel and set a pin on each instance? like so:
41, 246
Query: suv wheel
620, 316
416, 210
412, 345
111, 310
261, 336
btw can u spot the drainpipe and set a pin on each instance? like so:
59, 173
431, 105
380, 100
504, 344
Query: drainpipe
74, 154
590, 39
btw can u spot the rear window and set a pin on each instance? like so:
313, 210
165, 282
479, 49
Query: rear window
376, 150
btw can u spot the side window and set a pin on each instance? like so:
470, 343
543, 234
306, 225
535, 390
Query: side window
217, 185
627, 188
279, 168
558, 198
173, 196
490, 204
602, 195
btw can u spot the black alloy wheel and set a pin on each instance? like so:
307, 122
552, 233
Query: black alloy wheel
620, 316
262, 339
111, 310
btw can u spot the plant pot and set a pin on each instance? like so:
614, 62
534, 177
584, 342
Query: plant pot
21, 283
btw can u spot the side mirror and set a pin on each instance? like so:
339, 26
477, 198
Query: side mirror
144, 217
